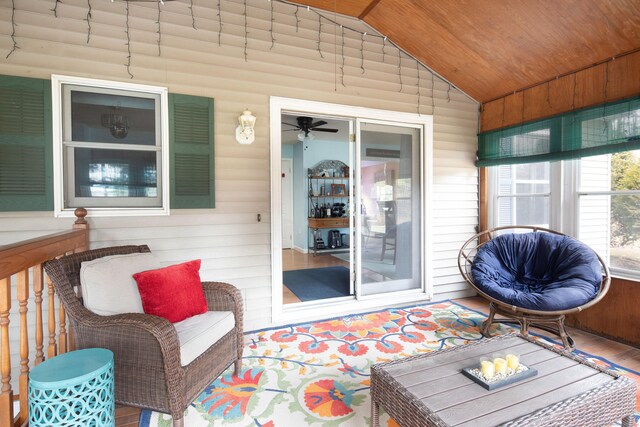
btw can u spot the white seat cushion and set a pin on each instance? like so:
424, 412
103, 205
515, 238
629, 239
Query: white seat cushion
107, 283
197, 333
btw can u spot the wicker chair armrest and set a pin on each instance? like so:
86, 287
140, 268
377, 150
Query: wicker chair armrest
222, 296
143, 325
159, 327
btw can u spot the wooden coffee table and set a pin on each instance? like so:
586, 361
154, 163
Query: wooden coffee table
430, 390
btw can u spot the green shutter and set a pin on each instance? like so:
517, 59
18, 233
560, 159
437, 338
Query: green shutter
191, 151
26, 166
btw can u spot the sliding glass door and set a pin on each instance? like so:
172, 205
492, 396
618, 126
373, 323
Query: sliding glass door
380, 201
389, 220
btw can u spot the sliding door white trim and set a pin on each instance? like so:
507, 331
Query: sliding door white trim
326, 308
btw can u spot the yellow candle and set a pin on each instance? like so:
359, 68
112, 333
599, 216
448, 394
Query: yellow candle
513, 361
500, 365
487, 369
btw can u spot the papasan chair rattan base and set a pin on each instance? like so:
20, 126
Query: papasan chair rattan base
533, 276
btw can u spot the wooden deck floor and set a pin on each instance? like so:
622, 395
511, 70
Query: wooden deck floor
616, 352
127, 416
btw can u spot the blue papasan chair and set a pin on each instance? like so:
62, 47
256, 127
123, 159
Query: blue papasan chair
533, 276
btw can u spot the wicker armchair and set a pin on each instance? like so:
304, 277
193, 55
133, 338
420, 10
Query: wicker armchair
148, 373
547, 319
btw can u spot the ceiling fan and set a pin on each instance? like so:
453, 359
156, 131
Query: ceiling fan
306, 125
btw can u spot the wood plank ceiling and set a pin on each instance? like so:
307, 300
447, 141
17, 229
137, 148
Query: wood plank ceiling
490, 48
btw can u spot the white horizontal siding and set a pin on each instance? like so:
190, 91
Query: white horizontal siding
234, 247
595, 211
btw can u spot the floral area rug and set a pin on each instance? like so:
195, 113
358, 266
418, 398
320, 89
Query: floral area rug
317, 374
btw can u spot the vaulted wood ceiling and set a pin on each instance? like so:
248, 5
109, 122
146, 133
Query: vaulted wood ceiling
490, 48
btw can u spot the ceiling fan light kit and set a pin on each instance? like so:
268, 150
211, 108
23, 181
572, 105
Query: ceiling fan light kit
306, 125
302, 137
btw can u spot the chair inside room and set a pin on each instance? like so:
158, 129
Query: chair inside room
159, 365
382, 226
390, 228
533, 276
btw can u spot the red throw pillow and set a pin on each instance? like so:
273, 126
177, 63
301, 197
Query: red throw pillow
173, 292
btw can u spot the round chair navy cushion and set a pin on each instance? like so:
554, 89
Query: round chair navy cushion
537, 271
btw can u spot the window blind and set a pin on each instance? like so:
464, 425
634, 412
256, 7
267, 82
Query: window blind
606, 129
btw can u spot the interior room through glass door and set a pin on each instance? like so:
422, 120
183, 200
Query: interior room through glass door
317, 264
389, 220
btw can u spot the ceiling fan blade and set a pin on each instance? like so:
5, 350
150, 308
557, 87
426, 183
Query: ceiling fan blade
289, 124
289, 130
325, 130
318, 123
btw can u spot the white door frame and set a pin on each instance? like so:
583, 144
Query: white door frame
325, 308
290, 189
358, 214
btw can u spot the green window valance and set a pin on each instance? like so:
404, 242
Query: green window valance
606, 129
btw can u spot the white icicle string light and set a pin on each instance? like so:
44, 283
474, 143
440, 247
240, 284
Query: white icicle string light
273, 40
418, 84
158, 25
400, 68
219, 23
319, 35
13, 29
362, 51
298, 20
605, 123
384, 44
128, 64
342, 52
55, 7
193, 16
246, 31
433, 94
88, 19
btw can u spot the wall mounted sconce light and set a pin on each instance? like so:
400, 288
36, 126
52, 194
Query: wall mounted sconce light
244, 132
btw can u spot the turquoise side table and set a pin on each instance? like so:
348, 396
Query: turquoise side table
73, 389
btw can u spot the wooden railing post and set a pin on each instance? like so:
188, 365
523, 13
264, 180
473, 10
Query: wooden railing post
62, 337
6, 394
23, 380
82, 224
38, 283
52, 348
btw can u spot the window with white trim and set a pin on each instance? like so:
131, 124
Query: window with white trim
110, 146
609, 208
523, 194
596, 199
